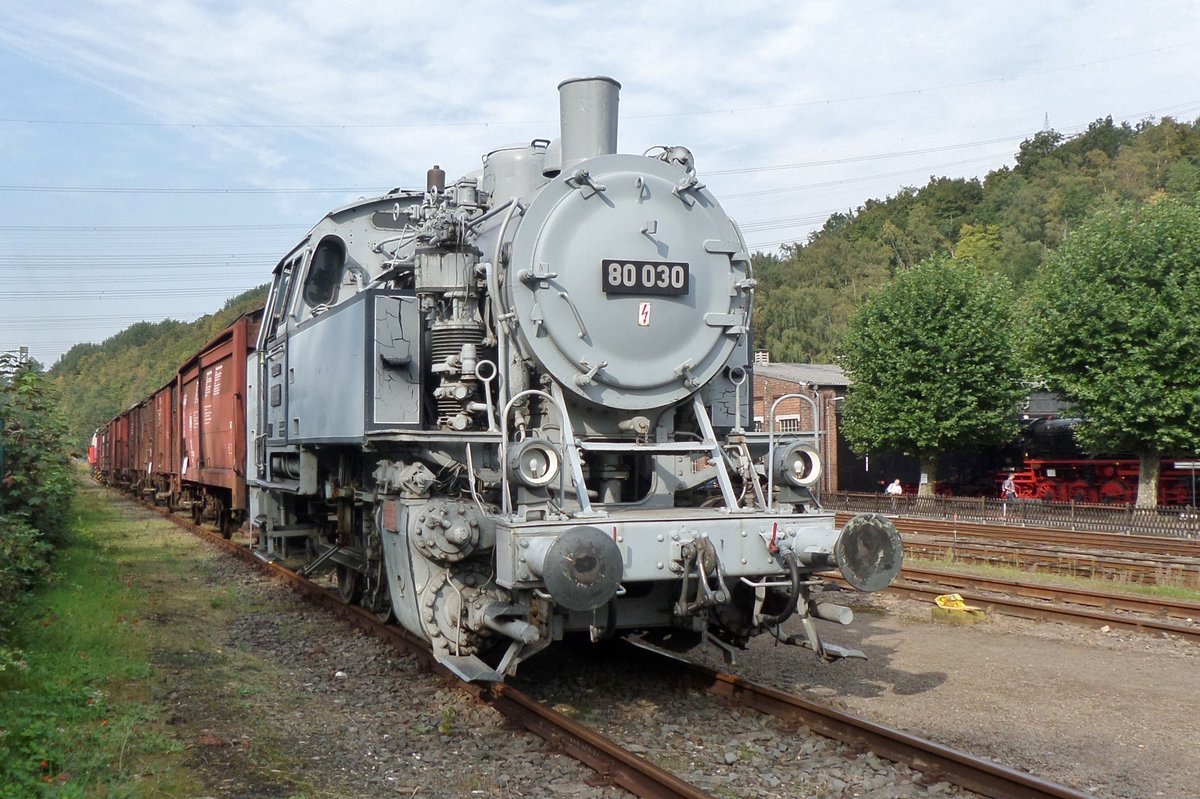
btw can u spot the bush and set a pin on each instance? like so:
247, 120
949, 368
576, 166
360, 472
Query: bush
35, 482
35, 493
24, 559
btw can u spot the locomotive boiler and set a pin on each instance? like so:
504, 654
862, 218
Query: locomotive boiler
513, 407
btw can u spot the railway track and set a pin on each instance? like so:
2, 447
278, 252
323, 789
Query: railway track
967, 771
1092, 541
1104, 600
1074, 562
1055, 603
617, 765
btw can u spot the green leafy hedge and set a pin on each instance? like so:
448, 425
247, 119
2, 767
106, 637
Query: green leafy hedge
24, 559
35, 490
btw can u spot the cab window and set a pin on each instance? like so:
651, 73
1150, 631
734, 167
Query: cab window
325, 272
279, 301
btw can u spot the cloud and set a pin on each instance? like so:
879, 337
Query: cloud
360, 94
816, 77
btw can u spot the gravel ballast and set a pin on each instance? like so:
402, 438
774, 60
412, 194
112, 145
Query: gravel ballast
273, 698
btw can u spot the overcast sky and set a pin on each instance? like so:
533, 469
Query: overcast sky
159, 156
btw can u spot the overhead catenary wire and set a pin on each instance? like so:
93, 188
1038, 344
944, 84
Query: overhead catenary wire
72, 249
381, 190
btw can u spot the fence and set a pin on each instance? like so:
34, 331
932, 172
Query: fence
1173, 522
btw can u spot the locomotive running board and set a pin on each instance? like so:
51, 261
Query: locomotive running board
469, 668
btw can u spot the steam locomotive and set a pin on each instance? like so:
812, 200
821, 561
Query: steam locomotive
513, 407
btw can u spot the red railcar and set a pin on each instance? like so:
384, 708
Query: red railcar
185, 443
96, 452
122, 462
141, 447
211, 392
1098, 480
163, 484
104, 451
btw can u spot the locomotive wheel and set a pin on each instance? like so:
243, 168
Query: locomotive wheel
225, 523
349, 584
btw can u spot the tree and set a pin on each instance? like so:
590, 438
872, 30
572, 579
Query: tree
981, 245
1039, 152
930, 358
1114, 325
1018, 214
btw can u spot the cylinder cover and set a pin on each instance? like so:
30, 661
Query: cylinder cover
582, 568
869, 552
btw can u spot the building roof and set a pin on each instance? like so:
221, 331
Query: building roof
819, 374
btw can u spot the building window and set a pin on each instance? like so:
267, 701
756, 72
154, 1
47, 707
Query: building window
783, 424
787, 424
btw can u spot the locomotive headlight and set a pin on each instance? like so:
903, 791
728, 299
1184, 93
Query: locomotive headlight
533, 462
797, 464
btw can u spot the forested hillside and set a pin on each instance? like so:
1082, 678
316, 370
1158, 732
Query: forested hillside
97, 381
1007, 222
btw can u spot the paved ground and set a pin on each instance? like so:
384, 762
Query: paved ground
1113, 714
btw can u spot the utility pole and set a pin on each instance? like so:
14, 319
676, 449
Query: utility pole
12, 360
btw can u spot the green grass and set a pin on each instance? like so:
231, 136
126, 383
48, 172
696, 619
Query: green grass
76, 718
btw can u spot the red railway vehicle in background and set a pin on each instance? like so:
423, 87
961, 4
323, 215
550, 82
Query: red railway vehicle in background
96, 452
162, 477
122, 463
184, 445
141, 447
1110, 481
211, 407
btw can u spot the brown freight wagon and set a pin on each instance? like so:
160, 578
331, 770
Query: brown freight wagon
211, 389
164, 446
141, 447
102, 467
122, 464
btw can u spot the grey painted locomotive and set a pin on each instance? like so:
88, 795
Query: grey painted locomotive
514, 407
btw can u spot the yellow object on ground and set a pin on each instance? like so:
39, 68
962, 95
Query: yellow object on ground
952, 608
953, 602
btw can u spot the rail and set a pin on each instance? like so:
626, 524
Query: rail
976, 774
1057, 611
636, 774
1174, 522
612, 761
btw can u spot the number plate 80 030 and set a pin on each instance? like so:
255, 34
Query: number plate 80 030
644, 277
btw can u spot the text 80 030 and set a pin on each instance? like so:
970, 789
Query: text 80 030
644, 277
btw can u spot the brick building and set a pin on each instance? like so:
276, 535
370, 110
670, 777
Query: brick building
825, 384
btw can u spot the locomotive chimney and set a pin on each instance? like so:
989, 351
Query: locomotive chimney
588, 113
435, 180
